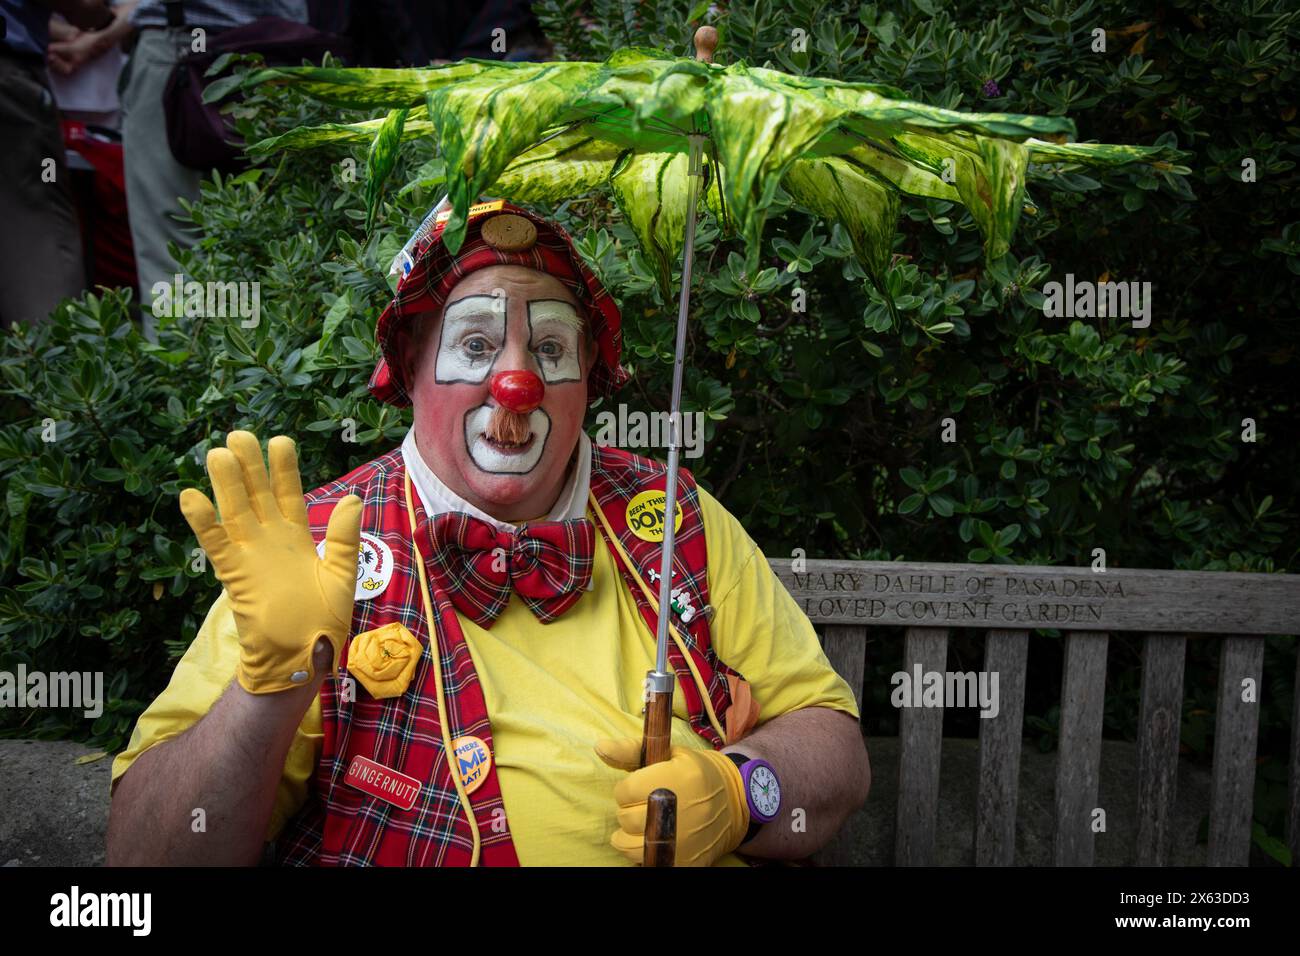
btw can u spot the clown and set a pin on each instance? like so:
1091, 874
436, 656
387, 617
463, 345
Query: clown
438, 658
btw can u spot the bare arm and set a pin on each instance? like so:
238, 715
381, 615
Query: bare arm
228, 764
822, 763
68, 53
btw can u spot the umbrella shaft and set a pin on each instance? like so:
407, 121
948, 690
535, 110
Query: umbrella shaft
675, 415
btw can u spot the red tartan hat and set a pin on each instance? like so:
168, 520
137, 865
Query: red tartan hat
436, 272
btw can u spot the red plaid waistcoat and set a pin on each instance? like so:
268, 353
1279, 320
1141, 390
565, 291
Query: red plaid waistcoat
340, 825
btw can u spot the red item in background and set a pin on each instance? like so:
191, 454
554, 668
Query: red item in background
101, 206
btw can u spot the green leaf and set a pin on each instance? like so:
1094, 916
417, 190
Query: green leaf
760, 125
943, 505
988, 174
381, 160
563, 167
866, 206
890, 164
310, 137
653, 192
340, 310
369, 88
219, 89
1100, 154
485, 121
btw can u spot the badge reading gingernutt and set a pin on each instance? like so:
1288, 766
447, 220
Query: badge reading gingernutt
383, 783
645, 516
374, 566
473, 761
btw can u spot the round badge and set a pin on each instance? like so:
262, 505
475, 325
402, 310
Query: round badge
374, 566
645, 516
473, 761
509, 233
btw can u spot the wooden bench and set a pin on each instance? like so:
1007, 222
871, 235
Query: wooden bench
845, 598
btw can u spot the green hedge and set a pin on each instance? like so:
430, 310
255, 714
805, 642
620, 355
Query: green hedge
824, 424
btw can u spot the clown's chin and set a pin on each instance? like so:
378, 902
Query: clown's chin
505, 443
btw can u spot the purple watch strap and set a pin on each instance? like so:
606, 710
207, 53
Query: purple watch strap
746, 771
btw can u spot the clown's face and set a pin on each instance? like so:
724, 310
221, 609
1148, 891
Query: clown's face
499, 389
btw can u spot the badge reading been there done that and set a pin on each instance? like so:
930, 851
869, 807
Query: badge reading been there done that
645, 516
374, 566
473, 760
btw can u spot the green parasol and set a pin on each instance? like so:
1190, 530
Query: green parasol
664, 133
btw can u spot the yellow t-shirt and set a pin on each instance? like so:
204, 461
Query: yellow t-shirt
552, 691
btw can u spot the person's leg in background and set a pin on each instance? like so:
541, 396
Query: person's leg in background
155, 182
40, 243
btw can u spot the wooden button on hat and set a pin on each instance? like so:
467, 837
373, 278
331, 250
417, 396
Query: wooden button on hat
509, 233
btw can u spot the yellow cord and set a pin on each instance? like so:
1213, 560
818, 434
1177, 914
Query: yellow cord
654, 603
437, 679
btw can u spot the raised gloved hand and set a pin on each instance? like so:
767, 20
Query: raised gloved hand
284, 597
712, 815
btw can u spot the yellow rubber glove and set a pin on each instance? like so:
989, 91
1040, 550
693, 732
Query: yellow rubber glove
283, 596
712, 815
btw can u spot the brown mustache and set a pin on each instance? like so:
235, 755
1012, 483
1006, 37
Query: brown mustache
508, 427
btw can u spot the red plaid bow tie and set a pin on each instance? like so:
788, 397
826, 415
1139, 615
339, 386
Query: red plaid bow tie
547, 562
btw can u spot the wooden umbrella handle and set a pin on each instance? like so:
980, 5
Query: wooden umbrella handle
657, 736
661, 808
661, 828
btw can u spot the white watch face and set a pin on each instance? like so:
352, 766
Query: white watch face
764, 791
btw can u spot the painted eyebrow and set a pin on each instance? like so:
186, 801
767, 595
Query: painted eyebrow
473, 305
555, 310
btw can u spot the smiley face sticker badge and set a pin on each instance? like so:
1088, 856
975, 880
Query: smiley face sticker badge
374, 566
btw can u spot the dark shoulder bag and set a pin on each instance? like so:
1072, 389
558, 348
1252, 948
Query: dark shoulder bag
199, 134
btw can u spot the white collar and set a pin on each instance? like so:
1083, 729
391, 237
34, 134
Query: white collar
437, 497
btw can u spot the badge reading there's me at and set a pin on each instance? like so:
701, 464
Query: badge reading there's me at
374, 566
473, 761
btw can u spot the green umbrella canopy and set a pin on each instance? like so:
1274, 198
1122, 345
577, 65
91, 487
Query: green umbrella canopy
542, 132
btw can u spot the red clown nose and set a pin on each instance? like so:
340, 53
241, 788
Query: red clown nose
518, 391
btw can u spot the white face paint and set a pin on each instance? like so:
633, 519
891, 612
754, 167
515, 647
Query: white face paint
473, 335
555, 339
496, 461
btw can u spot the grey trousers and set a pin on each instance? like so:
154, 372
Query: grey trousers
154, 180
40, 240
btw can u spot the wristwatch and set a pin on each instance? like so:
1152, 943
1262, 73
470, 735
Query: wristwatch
762, 791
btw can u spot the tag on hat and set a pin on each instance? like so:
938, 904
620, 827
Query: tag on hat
478, 209
404, 261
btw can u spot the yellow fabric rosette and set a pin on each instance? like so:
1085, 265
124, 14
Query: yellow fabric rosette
384, 659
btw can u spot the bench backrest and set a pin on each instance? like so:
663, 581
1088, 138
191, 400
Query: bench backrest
845, 598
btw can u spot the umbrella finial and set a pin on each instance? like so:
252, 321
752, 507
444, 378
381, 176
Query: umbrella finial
706, 41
